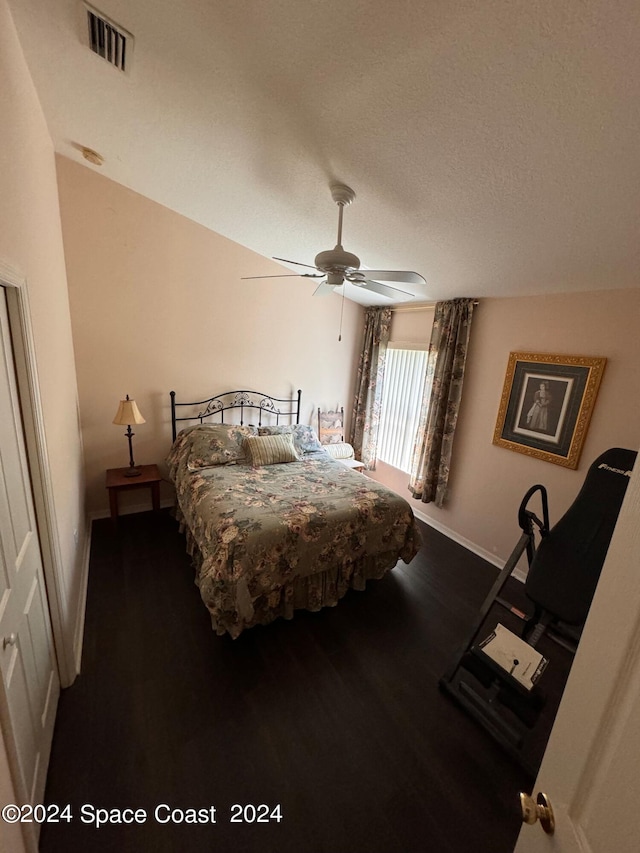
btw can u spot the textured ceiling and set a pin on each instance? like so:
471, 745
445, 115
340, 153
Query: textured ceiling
493, 144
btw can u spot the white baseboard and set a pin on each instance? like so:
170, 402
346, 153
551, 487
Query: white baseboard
78, 637
130, 510
518, 573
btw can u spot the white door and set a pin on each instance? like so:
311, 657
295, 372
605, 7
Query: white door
29, 687
591, 769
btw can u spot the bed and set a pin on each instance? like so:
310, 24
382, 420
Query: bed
272, 522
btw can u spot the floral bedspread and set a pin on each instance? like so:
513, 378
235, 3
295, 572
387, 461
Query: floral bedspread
273, 539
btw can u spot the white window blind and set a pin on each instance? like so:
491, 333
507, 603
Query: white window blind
402, 392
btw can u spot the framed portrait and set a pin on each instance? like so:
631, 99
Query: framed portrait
546, 405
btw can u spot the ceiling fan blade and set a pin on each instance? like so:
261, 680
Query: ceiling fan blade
395, 275
284, 275
385, 290
297, 263
323, 289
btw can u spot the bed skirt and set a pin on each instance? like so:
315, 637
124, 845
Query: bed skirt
233, 609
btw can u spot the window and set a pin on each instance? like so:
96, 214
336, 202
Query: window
402, 394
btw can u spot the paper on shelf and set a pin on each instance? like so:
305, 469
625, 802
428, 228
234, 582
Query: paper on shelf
515, 656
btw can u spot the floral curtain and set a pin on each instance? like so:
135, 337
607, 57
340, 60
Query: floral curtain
446, 360
365, 419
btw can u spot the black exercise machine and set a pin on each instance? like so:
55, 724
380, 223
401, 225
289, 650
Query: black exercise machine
564, 569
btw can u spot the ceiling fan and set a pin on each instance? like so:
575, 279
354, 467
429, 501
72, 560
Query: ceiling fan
336, 265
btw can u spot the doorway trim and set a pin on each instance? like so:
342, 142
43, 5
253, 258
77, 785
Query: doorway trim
15, 286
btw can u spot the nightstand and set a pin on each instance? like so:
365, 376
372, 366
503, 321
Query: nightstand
117, 482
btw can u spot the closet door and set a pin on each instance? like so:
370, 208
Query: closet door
30, 686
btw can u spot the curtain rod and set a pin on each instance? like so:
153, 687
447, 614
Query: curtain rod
422, 306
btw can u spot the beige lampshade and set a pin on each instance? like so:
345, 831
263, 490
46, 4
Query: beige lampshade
128, 413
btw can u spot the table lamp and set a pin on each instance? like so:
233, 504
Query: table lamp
128, 413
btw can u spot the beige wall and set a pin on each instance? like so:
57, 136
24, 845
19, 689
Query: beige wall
412, 325
157, 304
31, 244
488, 482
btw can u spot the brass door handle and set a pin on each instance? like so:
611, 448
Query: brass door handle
9, 641
538, 809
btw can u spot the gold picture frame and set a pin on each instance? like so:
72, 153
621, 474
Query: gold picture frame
546, 405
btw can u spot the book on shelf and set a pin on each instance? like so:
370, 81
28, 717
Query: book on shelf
516, 657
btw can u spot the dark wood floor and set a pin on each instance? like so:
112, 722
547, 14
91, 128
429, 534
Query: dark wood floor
336, 716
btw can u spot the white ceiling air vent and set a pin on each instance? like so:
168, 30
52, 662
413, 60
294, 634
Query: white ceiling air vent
109, 40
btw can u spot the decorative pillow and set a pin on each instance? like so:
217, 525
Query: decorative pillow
270, 449
340, 450
305, 439
218, 444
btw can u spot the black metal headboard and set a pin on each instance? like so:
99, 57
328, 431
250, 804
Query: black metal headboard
221, 403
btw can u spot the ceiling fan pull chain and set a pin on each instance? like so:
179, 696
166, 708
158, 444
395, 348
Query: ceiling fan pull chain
341, 311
